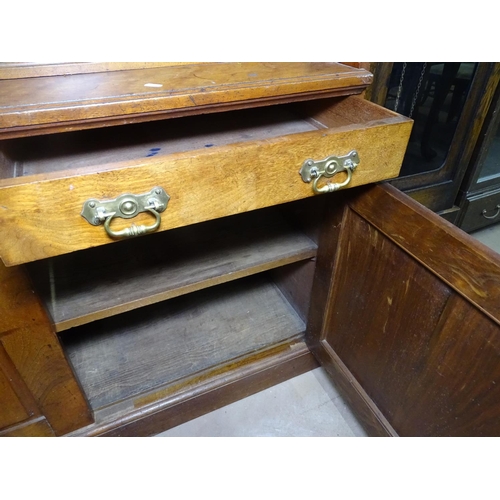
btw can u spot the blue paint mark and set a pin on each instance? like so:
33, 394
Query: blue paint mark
208, 145
153, 151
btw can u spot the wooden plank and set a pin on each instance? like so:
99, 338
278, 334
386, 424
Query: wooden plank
163, 409
333, 236
18, 403
245, 176
32, 346
98, 97
94, 148
471, 268
417, 357
167, 342
295, 283
85, 286
452, 379
11, 70
12, 409
379, 320
36, 427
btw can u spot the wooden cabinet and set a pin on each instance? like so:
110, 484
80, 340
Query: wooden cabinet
479, 197
251, 278
449, 103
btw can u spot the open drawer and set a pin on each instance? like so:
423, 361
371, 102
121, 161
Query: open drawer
210, 166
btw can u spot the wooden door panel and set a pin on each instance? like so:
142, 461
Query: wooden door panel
410, 329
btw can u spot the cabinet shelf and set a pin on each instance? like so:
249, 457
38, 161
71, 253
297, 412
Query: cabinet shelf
138, 351
85, 286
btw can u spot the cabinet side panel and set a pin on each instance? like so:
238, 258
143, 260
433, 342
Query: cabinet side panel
34, 350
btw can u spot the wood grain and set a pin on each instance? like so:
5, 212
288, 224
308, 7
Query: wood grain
17, 403
172, 406
332, 237
36, 427
11, 70
471, 269
170, 341
29, 342
98, 97
102, 282
414, 341
267, 175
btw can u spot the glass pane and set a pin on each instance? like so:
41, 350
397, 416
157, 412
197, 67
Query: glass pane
433, 94
491, 165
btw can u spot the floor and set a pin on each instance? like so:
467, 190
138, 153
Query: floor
308, 405
490, 236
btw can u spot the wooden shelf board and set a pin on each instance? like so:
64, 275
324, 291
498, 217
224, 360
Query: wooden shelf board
85, 286
165, 343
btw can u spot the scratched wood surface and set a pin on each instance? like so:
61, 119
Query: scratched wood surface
203, 184
134, 353
14, 70
411, 326
79, 100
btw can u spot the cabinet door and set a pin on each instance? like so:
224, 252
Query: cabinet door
411, 329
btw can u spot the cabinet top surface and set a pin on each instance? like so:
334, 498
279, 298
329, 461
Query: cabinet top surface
41, 104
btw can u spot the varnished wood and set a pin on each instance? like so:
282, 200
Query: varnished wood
36, 427
472, 269
73, 100
102, 282
13, 410
419, 334
377, 91
269, 167
162, 410
18, 403
29, 342
322, 302
12, 70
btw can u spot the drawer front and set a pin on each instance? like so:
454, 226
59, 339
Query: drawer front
40, 214
481, 211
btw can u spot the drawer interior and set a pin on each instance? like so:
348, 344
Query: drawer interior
153, 314
82, 151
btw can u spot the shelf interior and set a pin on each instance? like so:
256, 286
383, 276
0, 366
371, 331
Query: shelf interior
101, 282
119, 358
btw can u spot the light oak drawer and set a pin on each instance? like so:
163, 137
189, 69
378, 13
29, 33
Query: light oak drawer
211, 166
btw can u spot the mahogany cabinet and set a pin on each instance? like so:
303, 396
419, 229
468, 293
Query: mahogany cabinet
272, 249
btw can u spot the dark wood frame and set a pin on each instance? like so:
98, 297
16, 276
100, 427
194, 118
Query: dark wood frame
438, 189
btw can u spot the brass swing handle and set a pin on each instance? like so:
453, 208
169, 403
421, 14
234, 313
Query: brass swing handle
133, 230
330, 166
127, 206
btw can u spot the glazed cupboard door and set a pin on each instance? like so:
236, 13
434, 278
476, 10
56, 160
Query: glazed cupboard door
411, 331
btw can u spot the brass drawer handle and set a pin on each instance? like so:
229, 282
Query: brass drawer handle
484, 212
133, 230
330, 166
127, 206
